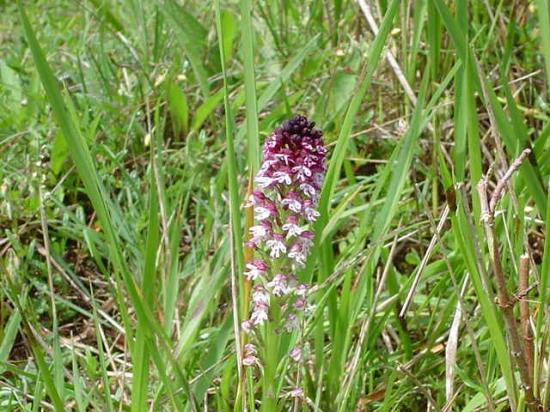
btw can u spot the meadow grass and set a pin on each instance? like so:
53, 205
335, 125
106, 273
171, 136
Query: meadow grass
130, 134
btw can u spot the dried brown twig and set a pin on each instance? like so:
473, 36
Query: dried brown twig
505, 302
502, 182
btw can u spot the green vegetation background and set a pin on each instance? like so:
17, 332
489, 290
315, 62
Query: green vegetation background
125, 161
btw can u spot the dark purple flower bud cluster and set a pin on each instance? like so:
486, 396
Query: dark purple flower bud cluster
285, 204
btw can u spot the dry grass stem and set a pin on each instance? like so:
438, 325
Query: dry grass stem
505, 303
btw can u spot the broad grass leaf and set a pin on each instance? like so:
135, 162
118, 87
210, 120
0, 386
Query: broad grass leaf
179, 109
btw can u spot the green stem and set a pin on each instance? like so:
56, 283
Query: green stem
272, 341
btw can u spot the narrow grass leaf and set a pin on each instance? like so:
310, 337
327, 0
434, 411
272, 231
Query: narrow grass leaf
543, 13
105, 9
141, 356
229, 27
10, 331
252, 131
231, 160
191, 36
179, 109
102, 363
467, 247
205, 109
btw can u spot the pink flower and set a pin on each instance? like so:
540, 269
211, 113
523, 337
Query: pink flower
301, 290
285, 205
255, 269
291, 227
310, 213
296, 354
279, 285
292, 202
276, 246
247, 326
256, 198
291, 322
296, 393
300, 304
249, 348
249, 355
282, 177
309, 191
318, 179
260, 296
282, 157
250, 360
298, 252
259, 314
302, 172
260, 231
264, 181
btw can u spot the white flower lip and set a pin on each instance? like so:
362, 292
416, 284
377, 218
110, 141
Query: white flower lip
253, 272
293, 204
276, 247
311, 214
261, 213
283, 178
293, 230
259, 316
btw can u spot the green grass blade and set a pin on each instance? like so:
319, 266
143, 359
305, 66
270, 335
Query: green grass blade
204, 110
287, 71
47, 377
102, 363
179, 109
35, 347
236, 248
274, 86
253, 138
232, 168
10, 331
104, 9
141, 356
78, 384
543, 13
190, 37
400, 168
171, 287
467, 246
543, 292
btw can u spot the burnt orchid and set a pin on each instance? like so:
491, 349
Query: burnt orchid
285, 206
